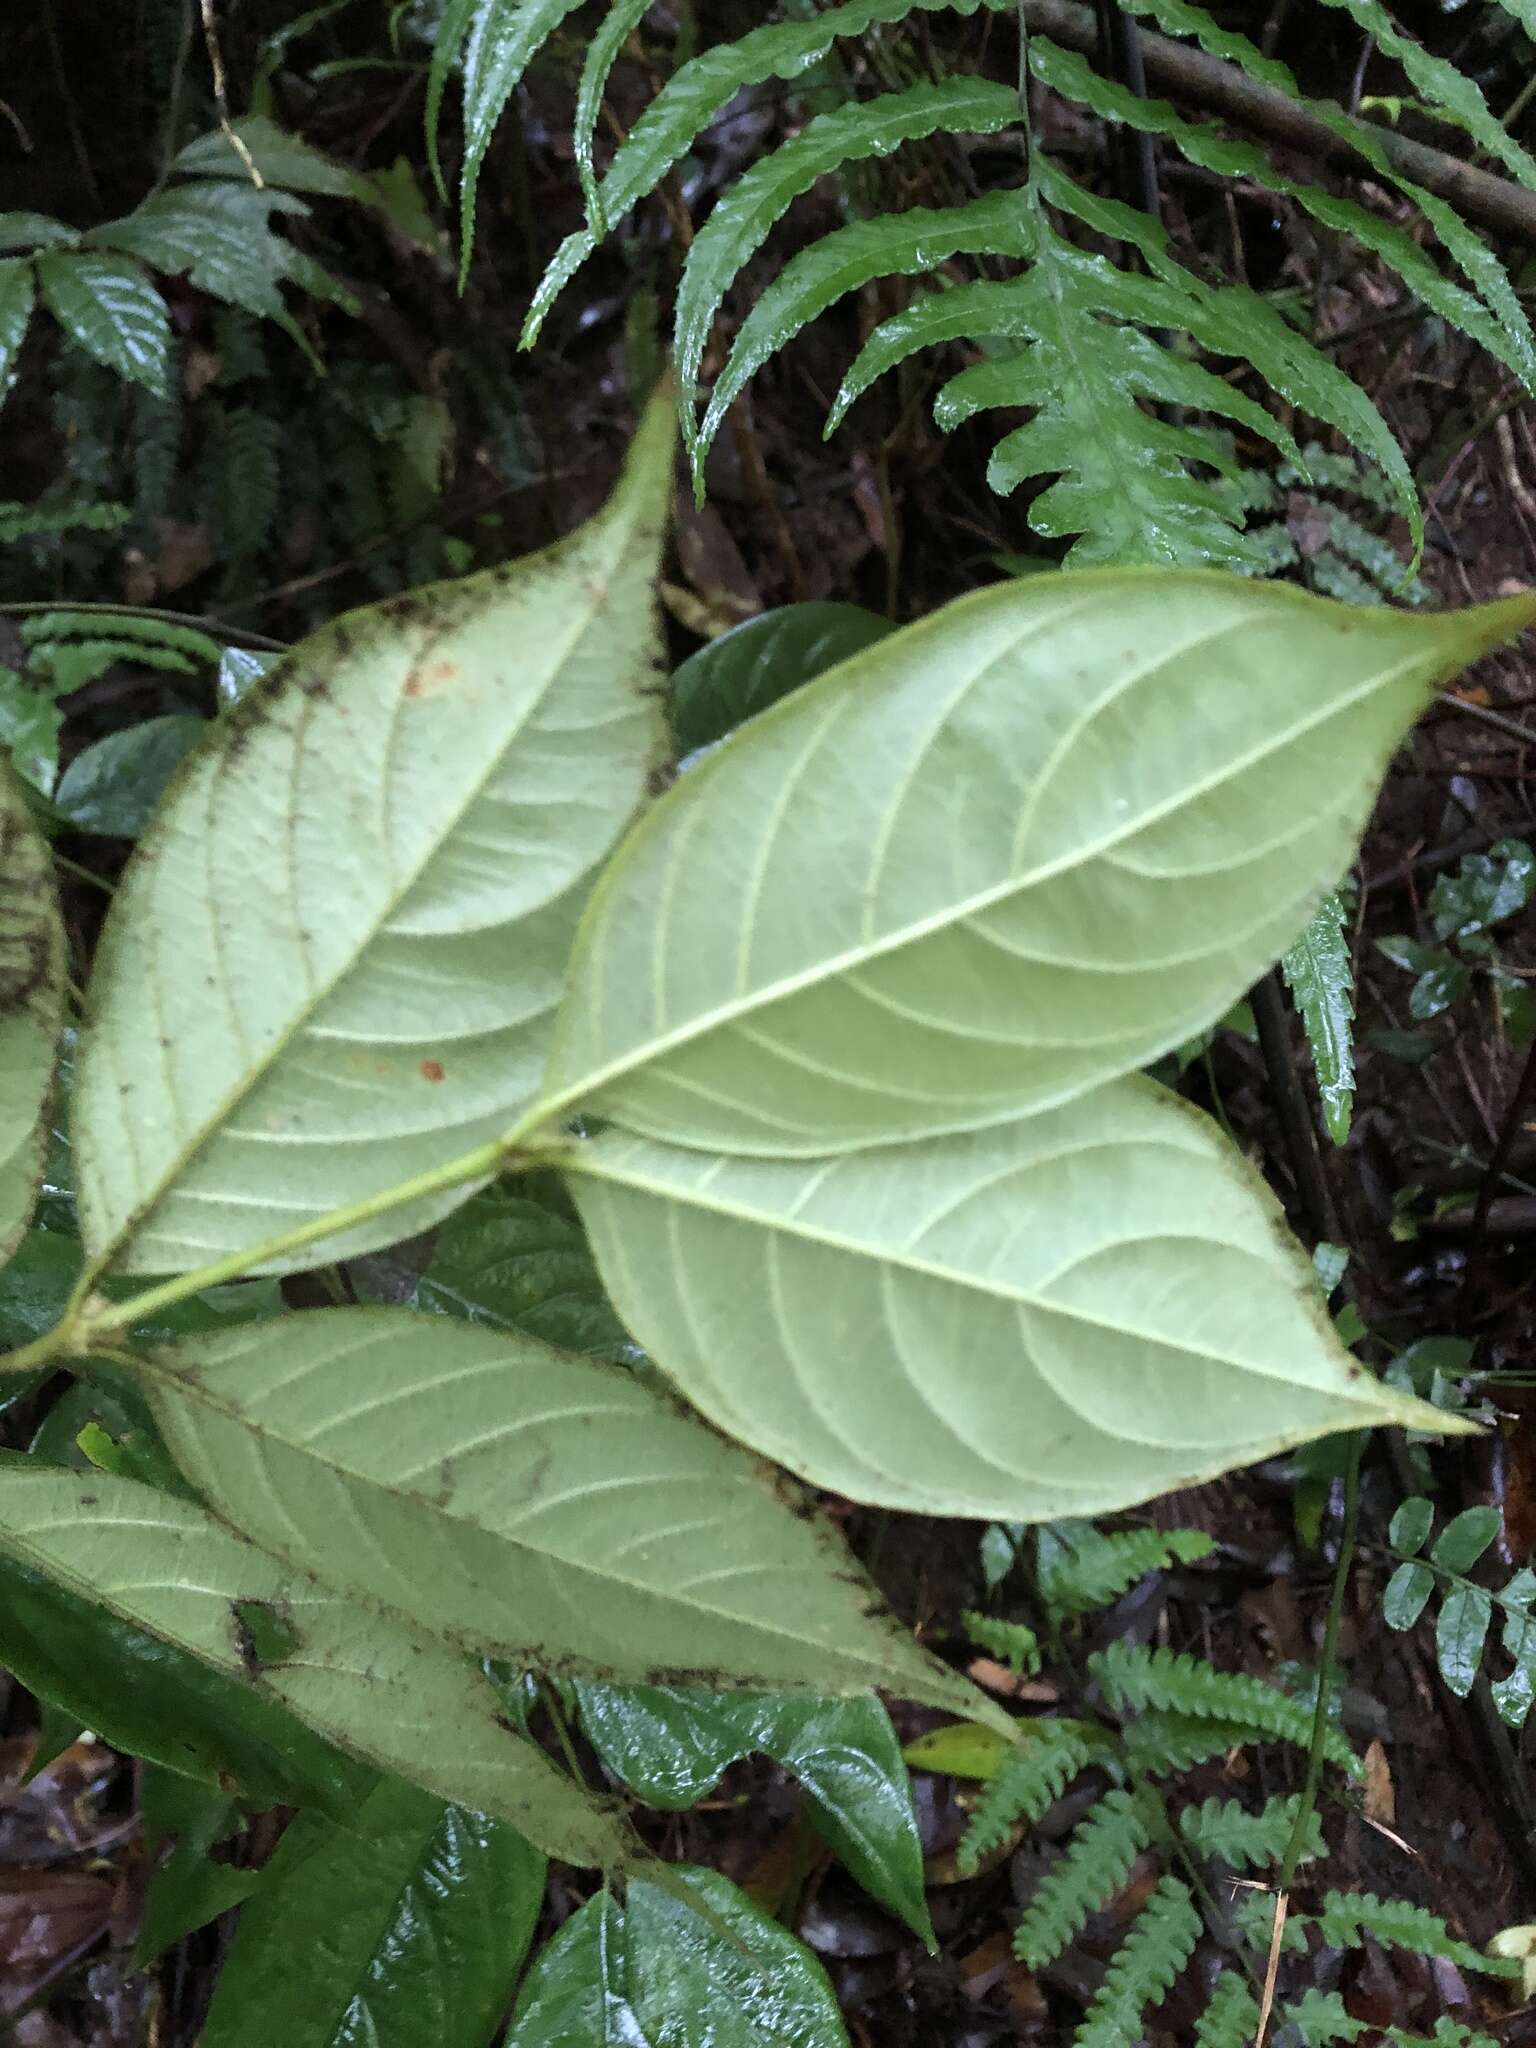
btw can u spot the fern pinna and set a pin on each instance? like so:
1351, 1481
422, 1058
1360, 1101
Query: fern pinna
1103, 353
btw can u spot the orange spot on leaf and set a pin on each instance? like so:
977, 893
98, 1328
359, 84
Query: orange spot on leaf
432, 1070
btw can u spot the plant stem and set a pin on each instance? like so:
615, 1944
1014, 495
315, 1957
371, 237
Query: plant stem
87, 1319
1317, 1749
1269, 1014
1514, 1117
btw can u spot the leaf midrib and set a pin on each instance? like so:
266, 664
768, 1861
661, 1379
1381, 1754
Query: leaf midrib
588, 1086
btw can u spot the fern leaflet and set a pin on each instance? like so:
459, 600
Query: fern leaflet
1320, 976
1137, 1677
1231, 2018
1080, 1568
1161, 1941
1229, 1833
1016, 1645
1030, 1779
1348, 1916
1092, 1868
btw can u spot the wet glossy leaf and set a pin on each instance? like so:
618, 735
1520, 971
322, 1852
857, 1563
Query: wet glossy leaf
362, 1679
1515, 1693
670, 1747
1407, 1595
405, 1932
30, 722
1463, 1540
999, 1323
33, 231
1486, 889
1320, 975
114, 785
888, 908
1460, 1634
959, 1751
151, 1700
32, 973
334, 961
182, 1820
282, 160
520, 1261
1446, 983
525, 1503
756, 663
112, 309
17, 293
652, 1974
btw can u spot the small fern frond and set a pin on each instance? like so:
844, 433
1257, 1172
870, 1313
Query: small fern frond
1319, 2019
1030, 1779
243, 485
692, 98
35, 522
1228, 1833
1159, 1744
1017, 1646
1320, 975
1093, 1867
1134, 1676
620, 23
1080, 1568
1161, 1941
1346, 1917
1231, 2018
123, 626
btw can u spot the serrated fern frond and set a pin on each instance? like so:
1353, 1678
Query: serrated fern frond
1231, 2017
242, 481
28, 522
1080, 1568
144, 629
1031, 1778
1161, 1941
1134, 1676
1320, 974
1347, 1916
1092, 1868
1228, 1833
1158, 1744
1319, 2019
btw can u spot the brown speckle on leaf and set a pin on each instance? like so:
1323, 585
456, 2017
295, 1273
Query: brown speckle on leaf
432, 1070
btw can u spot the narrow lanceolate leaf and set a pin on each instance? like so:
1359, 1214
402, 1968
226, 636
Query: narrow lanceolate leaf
901, 903
500, 40
32, 976
333, 963
371, 1684
746, 213
522, 1502
1321, 977
17, 292
1055, 1317
109, 306
406, 1930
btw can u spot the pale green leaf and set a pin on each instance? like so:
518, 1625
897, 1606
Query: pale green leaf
333, 963
405, 1932
368, 1683
525, 1503
1055, 1317
112, 310
32, 981
1320, 975
651, 1973
17, 293
894, 904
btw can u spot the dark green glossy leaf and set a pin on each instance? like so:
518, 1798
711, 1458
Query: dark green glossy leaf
1320, 975
111, 308
1460, 1635
520, 1261
30, 719
1407, 1595
33, 231
1486, 889
39, 1279
671, 1746
1514, 1695
150, 1700
1438, 989
1462, 1541
408, 1933
652, 1974
18, 292
757, 663
114, 786
182, 1820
